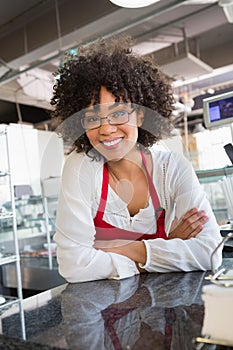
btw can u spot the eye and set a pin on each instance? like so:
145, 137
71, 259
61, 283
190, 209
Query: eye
91, 119
119, 114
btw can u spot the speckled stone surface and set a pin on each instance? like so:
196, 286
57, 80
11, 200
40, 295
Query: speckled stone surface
150, 311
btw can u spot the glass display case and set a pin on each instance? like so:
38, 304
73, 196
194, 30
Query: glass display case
34, 218
9, 249
210, 180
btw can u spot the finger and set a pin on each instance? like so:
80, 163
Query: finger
195, 220
188, 219
190, 225
199, 217
190, 213
192, 234
195, 232
193, 215
192, 228
196, 227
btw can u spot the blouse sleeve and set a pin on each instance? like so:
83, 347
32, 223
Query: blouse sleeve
78, 260
183, 192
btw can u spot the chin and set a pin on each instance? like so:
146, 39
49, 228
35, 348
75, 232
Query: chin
110, 157
114, 160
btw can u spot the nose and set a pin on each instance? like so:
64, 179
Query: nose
105, 128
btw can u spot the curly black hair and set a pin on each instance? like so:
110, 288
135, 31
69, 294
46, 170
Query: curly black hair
128, 76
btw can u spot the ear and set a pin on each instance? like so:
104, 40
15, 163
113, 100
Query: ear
140, 117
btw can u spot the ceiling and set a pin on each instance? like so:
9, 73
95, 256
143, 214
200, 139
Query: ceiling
191, 40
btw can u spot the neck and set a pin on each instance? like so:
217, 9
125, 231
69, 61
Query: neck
126, 167
128, 180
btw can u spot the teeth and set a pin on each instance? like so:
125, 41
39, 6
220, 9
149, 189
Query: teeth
111, 143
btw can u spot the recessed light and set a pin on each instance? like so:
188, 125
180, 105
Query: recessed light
134, 3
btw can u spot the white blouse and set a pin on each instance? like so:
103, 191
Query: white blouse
178, 189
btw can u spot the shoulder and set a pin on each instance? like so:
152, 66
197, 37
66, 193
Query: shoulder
172, 166
168, 158
73, 158
160, 154
79, 164
81, 160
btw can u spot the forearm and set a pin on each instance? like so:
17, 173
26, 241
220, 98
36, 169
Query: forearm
181, 255
78, 263
135, 251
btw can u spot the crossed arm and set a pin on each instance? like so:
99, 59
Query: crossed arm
189, 226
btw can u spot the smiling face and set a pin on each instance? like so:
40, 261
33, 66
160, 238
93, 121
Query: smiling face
114, 142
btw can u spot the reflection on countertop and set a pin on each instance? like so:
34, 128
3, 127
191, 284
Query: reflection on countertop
150, 311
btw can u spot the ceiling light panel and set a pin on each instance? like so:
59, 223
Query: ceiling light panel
133, 3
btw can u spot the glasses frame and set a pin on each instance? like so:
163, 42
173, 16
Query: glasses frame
107, 117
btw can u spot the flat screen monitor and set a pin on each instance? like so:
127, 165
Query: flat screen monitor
218, 110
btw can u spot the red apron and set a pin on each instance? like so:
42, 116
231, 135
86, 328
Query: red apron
105, 231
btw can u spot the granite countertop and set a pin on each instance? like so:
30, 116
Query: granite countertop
150, 311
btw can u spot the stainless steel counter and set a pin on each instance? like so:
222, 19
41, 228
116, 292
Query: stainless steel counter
35, 273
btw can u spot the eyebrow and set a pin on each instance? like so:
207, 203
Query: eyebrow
96, 108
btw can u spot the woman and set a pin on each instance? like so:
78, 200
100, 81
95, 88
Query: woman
124, 207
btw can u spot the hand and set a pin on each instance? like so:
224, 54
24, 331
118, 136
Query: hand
189, 225
140, 269
136, 251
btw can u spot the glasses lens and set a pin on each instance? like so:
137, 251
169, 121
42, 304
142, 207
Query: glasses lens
90, 122
118, 117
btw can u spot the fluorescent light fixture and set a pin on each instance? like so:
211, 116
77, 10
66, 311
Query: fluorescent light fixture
185, 66
199, 2
133, 3
227, 6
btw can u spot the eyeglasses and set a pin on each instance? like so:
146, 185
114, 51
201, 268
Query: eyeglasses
119, 117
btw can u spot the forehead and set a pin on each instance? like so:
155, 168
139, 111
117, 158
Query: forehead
106, 101
106, 96
106, 107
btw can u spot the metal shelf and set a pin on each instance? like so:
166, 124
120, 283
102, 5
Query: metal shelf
7, 215
7, 259
4, 173
8, 303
